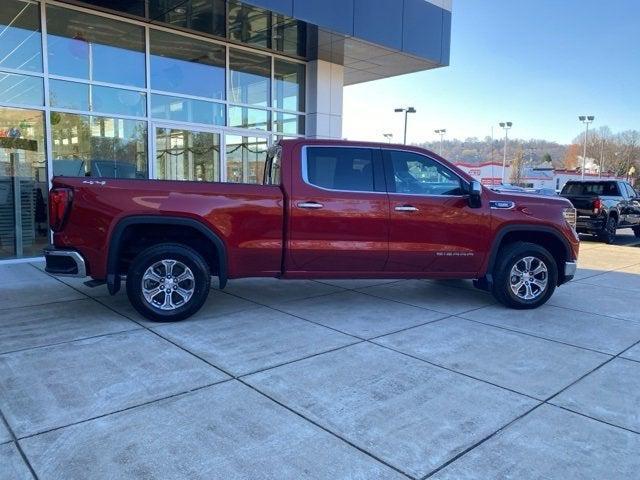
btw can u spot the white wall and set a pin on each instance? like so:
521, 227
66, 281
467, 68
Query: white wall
325, 82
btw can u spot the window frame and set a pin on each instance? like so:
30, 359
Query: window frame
391, 184
379, 176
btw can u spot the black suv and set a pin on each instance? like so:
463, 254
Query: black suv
603, 206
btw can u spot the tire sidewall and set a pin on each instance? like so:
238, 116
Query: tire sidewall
148, 257
609, 233
505, 294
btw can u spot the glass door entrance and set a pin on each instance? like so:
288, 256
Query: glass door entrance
186, 154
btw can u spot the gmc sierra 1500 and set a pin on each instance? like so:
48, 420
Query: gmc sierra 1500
325, 209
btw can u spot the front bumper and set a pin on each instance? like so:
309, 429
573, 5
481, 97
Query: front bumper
569, 271
64, 263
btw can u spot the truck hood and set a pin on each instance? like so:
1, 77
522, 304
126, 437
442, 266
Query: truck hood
530, 199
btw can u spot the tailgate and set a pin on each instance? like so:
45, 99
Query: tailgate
582, 203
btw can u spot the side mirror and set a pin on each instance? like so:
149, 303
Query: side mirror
475, 194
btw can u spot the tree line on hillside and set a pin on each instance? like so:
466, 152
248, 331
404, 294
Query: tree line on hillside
612, 152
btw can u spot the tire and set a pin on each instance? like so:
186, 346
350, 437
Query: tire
636, 231
514, 257
160, 267
608, 233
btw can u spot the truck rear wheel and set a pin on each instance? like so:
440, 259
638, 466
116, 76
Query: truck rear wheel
525, 276
168, 282
608, 233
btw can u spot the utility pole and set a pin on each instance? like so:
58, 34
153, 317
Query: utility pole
586, 119
406, 111
441, 132
506, 126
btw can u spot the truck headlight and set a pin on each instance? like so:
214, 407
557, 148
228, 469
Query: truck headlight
570, 216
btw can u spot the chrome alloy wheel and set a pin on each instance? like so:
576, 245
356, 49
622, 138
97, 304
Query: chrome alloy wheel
168, 284
529, 278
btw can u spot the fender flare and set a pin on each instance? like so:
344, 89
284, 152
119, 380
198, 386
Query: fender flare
115, 242
500, 234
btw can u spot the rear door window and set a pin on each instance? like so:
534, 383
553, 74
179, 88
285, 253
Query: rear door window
337, 168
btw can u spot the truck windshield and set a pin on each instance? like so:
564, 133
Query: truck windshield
591, 188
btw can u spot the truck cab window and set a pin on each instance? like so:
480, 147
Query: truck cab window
419, 175
334, 168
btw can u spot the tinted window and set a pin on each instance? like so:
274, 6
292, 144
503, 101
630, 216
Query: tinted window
591, 188
420, 175
340, 168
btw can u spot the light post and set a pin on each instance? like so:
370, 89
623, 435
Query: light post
406, 111
586, 119
506, 126
388, 136
441, 132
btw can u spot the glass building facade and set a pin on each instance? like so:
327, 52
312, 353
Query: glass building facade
171, 90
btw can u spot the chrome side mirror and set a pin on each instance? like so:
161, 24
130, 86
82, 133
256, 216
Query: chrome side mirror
475, 194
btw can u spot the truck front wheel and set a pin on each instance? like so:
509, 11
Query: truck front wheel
525, 276
168, 282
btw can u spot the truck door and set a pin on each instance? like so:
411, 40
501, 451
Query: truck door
432, 229
338, 210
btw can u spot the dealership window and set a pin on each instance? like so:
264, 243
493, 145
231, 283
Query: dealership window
23, 183
94, 48
288, 124
187, 155
289, 35
207, 16
20, 43
183, 65
96, 98
250, 25
96, 146
289, 85
245, 158
251, 118
250, 78
21, 89
189, 110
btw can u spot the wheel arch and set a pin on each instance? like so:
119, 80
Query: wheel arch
117, 238
547, 237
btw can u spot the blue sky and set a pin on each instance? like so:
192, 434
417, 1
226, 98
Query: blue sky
537, 63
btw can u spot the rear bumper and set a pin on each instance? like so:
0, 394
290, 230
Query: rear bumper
64, 263
589, 225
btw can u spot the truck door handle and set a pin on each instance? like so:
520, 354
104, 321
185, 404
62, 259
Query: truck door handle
310, 205
406, 208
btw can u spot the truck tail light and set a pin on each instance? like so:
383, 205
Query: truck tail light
59, 205
597, 205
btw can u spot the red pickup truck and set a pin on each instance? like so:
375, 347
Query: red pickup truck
325, 209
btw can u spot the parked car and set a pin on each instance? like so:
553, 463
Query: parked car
325, 209
603, 207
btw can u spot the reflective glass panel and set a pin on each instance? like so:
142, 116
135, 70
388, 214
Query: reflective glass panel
118, 101
187, 155
90, 47
21, 89
87, 145
289, 35
184, 65
187, 110
250, 75
245, 158
289, 88
206, 16
132, 7
71, 95
250, 25
243, 117
20, 43
288, 123
24, 229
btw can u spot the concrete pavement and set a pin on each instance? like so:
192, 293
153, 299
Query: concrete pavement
360, 379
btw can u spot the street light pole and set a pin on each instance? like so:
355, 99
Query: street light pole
406, 111
586, 119
388, 136
441, 132
506, 126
